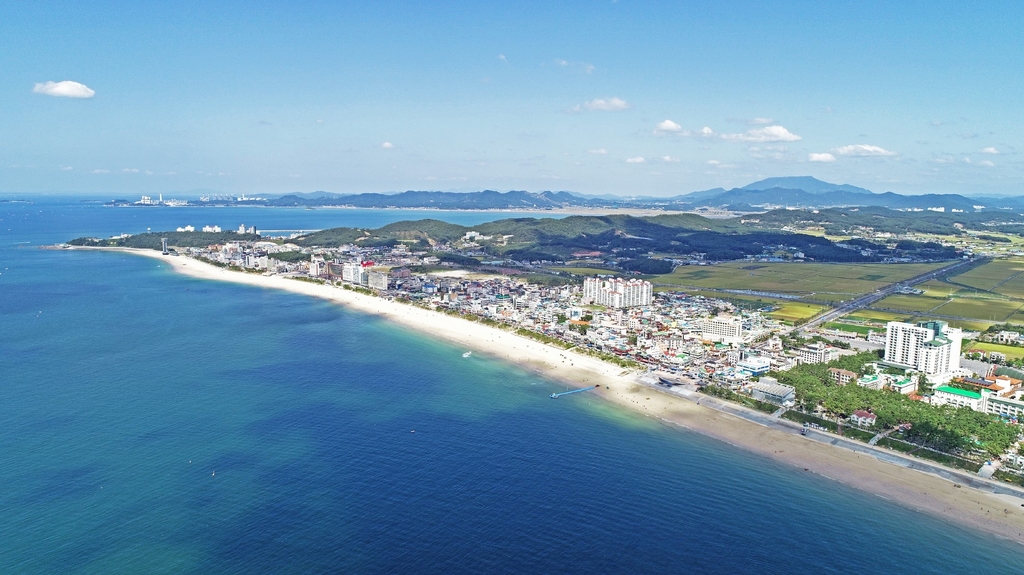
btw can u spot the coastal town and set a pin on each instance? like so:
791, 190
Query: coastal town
900, 387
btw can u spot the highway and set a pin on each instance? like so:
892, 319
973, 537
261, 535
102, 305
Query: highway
868, 299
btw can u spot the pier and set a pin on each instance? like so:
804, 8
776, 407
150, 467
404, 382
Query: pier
557, 395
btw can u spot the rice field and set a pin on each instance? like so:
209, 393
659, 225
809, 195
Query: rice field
880, 317
1004, 277
796, 311
984, 309
794, 278
911, 303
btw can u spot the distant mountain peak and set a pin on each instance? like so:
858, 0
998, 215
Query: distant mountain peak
808, 184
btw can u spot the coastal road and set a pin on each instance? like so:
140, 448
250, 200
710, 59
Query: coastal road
868, 299
973, 480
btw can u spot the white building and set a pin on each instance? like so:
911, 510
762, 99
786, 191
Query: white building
931, 347
817, 353
958, 398
377, 280
863, 418
316, 266
755, 365
617, 292
726, 329
354, 272
768, 389
211, 229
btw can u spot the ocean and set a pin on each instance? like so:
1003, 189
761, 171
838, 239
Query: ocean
151, 422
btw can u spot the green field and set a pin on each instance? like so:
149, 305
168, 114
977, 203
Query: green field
911, 303
794, 278
583, 271
796, 311
990, 277
940, 289
1010, 351
879, 317
731, 296
861, 329
969, 325
995, 310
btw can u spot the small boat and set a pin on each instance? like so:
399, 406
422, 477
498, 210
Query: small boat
467, 354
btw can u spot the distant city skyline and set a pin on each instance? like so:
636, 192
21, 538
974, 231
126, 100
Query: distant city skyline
658, 99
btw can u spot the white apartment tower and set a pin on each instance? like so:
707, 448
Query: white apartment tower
617, 293
726, 329
931, 347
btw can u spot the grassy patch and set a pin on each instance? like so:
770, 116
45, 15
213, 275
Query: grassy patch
861, 329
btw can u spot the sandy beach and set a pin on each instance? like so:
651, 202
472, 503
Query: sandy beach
999, 515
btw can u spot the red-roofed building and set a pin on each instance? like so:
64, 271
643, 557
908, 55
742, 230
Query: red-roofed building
863, 418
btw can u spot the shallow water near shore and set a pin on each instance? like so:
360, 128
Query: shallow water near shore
154, 422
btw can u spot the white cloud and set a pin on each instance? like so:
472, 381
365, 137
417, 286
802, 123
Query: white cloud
760, 121
719, 165
609, 105
863, 150
987, 163
101, 171
989, 150
66, 168
766, 134
65, 89
668, 126
670, 159
387, 145
586, 67
636, 160
130, 170
319, 121
822, 157
502, 58
599, 152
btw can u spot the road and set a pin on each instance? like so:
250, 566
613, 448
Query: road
868, 299
687, 391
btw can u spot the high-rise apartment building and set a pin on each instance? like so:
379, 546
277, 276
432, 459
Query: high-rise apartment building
931, 347
617, 293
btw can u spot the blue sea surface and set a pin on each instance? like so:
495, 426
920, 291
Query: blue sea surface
152, 422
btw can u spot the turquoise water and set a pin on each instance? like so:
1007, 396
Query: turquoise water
157, 423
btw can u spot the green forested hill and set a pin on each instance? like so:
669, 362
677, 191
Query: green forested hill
181, 239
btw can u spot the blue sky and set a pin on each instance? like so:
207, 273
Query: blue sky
596, 97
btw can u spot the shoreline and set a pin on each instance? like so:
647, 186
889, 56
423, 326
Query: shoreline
892, 479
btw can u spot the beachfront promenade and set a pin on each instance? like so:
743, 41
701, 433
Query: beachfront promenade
689, 392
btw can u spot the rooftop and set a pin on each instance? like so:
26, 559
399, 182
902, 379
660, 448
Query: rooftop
960, 392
